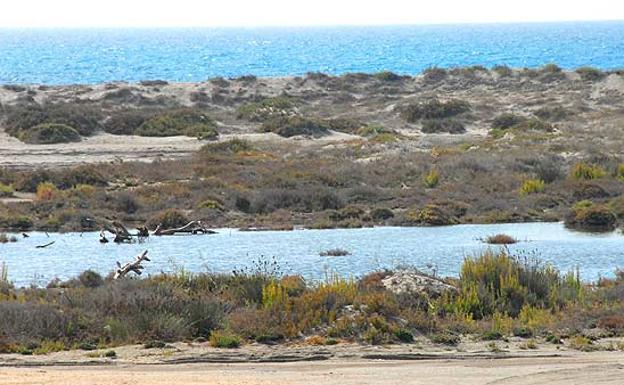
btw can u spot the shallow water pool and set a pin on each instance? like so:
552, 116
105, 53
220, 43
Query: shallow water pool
428, 248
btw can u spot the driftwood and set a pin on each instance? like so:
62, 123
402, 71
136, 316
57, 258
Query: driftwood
134, 266
122, 235
193, 227
143, 232
46, 245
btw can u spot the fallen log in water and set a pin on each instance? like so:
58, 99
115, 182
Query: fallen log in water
44, 246
193, 227
121, 233
134, 266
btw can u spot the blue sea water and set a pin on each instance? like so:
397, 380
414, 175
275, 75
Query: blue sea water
68, 56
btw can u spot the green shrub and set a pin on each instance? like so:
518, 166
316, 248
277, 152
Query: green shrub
404, 335
590, 73
550, 73
81, 175
502, 70
584, 171
232, 146
49, 133
550, 68
155, 344
497, 282
189, 122
348, 125
16, 222
590, 217
533, 124
432, 214
387, 76
451, 126
497, 133
90, 278
296, 125
434, 74
224, 339
432, 178
267, 108
507, 120
445, 338
492, 335
619, 172
170, 218
434, 109
126, 122
552, 114
373, 131
381, 214
84, 119
532, 186
6, 191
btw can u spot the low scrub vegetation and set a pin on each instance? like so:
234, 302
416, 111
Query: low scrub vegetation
434, 109
532, 186
590, 73
243, 184
586, 215
584, 171
267, 108
501, 239
451, 126
189, 122
497, 295
337, 252
49, 133
296, 125
22, 117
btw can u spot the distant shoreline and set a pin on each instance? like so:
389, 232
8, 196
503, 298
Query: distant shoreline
154, 82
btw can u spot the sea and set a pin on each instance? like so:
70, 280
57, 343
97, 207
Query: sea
88, 56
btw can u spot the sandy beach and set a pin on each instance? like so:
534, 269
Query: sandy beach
579, 368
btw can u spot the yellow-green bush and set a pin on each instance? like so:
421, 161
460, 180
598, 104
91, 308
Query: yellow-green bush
274, 294
432, 178
6, 190
497, 281
224, 339
532, 186
584, 171
46, 191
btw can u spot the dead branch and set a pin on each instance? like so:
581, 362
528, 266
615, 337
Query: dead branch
134, 266
121, 233
46, 245
193, 227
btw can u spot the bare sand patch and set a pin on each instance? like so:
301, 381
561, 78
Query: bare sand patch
580, 368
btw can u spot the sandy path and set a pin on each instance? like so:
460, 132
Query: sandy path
103, 148
594, 368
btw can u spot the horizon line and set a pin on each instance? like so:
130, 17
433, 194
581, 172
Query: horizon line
347, 25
